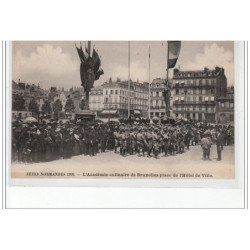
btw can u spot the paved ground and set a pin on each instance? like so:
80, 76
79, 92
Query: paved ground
110, 165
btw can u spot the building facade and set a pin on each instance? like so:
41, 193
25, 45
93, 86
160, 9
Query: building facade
96, 100
225, 107
118, 97
157, 103
195, 93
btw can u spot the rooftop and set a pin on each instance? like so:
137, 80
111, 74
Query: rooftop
198, 73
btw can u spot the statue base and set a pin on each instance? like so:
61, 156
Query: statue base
85, 116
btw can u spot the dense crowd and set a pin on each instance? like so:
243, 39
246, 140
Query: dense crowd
47, 141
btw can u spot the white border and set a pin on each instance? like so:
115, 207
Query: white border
215, 183
16, 195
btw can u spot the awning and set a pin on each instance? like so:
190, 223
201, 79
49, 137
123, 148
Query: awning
177, 82
212, 98
206, 99
182, 82
176, 98
182, 98
111, 111
137, 112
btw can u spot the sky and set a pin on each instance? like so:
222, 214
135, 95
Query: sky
56, 63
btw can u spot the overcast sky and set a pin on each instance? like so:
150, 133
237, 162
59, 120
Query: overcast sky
57, 63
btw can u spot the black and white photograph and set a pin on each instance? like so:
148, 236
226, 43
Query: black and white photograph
123, 109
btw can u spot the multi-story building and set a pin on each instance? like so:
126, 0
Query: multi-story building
225, 107
195, 93
157, 103
96, 100
118, 97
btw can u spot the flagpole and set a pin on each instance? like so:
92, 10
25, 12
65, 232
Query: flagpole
166, 84
89, 47
128, 79
87, 91
167, 64
149, 87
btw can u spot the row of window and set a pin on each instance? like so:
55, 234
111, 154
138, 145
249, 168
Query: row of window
195, 92
190, 108
226, 104
194, 116
125, 92
96, 92
111, 92
124, 100
124, 106
157, 103
194, 82
156, 94
194, 99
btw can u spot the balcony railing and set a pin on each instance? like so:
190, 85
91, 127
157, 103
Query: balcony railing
157, 107
194, 86
220, 109
194, 102
194, 111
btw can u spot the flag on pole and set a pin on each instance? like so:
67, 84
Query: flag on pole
80, 53
174, 48
96, 60
87, 52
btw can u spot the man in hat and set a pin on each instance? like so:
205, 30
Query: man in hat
155, 143
166, 142
188, 137
123, 142
131, 141
92, 141
59, 143
219, 144
206, 145
149, 140
116, 136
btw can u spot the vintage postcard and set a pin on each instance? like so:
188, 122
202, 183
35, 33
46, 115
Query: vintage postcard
123, 110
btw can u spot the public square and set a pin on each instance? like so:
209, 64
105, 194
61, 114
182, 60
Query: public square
111, 165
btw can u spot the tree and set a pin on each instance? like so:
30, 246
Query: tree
46, 108
57, 107
18, 103
33, 107
69, 106
82, 104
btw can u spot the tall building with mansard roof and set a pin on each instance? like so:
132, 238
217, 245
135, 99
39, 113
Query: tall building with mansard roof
225, 107
195, 93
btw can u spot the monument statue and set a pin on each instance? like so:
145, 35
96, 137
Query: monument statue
90, 70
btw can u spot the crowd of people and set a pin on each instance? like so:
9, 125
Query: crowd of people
50, 140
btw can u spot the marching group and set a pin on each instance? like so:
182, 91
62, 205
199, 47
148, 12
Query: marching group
47, 141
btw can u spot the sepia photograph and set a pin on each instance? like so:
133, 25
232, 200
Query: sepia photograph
123, 109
